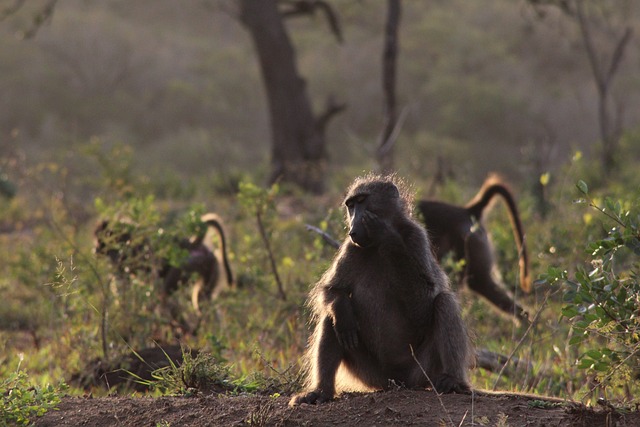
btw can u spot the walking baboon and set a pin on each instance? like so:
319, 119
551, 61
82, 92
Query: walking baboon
117, 241
201, 261
459, 229
384, 311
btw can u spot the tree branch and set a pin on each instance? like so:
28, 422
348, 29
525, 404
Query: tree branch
388, 144
331, 109
587, 39
618, 53
272, 260
309, 7
325, 236
10, 10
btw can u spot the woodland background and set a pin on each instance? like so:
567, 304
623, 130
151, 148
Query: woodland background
156, 110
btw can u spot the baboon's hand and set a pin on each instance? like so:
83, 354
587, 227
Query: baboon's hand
347, 334
376, 228
379, 230
448, 384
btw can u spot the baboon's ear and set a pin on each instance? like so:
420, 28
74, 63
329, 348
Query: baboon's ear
392, 191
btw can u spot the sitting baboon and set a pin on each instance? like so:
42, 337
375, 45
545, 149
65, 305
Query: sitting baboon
117, 241
459, 229
383, 311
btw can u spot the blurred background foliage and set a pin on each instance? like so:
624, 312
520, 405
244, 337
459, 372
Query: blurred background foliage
180, 85
159, 105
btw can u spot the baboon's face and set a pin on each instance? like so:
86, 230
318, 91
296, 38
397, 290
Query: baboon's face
372, 207
358, 232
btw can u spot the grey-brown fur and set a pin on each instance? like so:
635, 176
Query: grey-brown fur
383, 297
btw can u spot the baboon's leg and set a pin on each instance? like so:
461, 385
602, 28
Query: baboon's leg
479, 278
327, 356
171, 280
444, 354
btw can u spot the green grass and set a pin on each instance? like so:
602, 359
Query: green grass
63, 307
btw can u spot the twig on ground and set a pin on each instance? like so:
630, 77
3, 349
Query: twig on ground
444, 408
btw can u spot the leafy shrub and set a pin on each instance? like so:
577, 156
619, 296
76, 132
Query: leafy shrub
601, 302
206, 372
261, 204
199, 373
20, 402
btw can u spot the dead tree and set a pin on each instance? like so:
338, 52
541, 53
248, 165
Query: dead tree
603, 68
603, 73
298, 150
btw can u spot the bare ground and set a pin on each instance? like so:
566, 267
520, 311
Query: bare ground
390, 408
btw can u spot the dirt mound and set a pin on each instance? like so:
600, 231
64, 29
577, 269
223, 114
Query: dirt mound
391, 408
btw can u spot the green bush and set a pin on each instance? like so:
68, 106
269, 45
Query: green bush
200, 373
602, 300
261, 204
21, 402
207, 372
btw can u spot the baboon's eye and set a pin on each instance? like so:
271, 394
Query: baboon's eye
355, 200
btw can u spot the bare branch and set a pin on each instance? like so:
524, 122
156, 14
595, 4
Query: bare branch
444, 408
40, 19
388, 144
564, 5
10, 10
618, 53
272, 260
587, 39
309, 7
331, 109
325, 236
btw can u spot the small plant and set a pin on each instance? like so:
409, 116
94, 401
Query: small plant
262, 415
602, 301
481, 420
199, 373
136, 244
503, 420
20, 402
261, 203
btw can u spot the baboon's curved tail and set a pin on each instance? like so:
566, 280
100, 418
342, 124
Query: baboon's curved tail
493, 186
213, 220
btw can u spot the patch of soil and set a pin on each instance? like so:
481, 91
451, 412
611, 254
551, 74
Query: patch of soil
389, 408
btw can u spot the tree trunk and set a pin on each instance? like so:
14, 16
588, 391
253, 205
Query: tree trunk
298, 153
384, 152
